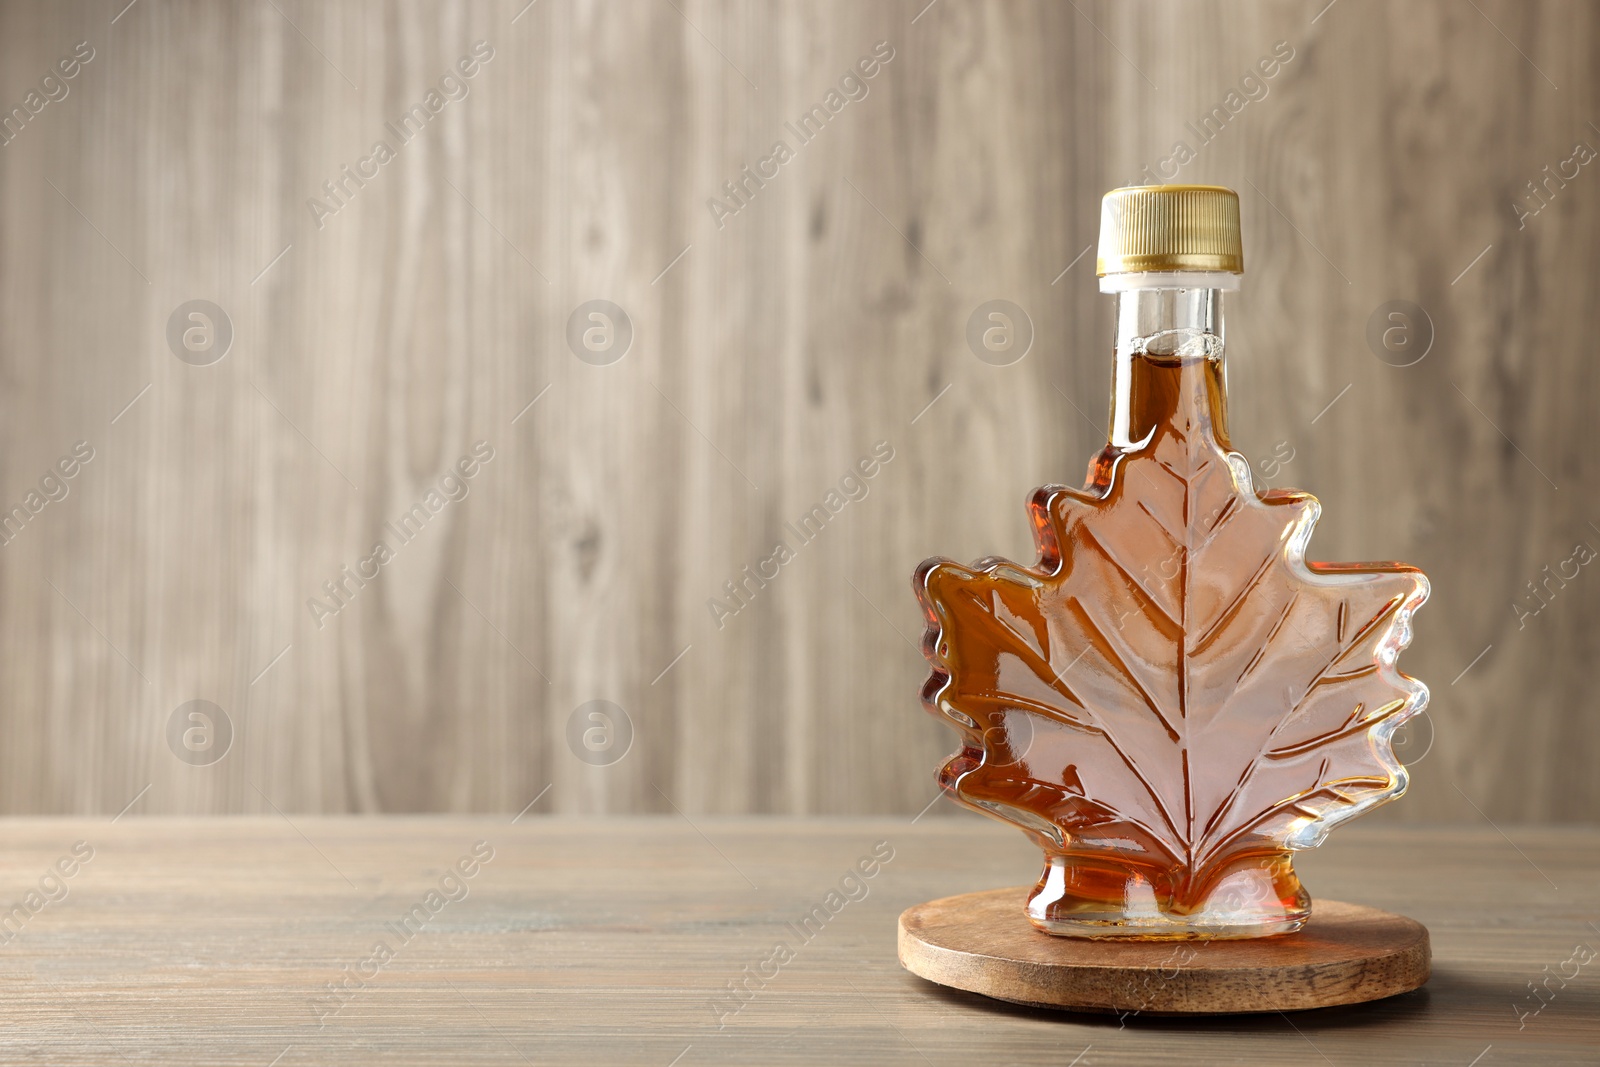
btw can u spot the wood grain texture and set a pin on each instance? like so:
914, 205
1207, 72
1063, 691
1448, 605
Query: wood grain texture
983, 943
772, 347
215, 941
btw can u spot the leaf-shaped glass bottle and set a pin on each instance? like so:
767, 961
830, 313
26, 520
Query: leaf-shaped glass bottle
1171, 701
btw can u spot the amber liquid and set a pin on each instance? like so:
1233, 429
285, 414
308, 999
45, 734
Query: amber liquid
1170, 701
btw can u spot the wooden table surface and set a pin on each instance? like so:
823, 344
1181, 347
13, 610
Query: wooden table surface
179, 941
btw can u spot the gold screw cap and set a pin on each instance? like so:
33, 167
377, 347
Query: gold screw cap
1170, 227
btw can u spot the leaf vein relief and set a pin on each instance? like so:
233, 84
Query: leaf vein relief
1210, 671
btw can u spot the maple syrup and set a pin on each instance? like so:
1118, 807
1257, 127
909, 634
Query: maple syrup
1171, 701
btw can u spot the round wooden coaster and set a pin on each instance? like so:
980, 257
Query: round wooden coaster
983, 943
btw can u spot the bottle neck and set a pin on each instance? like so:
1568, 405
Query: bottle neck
1169, 365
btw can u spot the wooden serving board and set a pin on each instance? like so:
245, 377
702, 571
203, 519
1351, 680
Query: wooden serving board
983, 943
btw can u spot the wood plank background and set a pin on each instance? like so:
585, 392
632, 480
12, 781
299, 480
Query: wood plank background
772, 348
